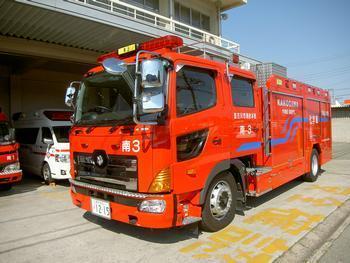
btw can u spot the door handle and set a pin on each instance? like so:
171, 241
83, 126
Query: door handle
216, 141
84, 145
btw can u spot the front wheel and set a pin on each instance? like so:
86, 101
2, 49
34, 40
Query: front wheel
314, 167
220, 203
46, 173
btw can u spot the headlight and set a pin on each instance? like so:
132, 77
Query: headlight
11, 167
153, 206
62, 158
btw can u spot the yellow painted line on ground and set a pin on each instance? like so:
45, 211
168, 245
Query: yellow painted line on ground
264, 235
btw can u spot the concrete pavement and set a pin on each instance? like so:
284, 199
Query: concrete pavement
339, 250
39, 223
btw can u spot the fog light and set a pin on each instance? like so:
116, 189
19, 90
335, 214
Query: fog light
152, 206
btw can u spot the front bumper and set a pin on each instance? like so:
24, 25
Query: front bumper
10, 177
124, 205
60, 171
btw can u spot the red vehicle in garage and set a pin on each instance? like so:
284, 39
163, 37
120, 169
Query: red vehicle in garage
10, 171
163, 139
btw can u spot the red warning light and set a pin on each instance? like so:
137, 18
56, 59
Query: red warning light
58, 115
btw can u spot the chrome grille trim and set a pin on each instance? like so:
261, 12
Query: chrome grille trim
111, 190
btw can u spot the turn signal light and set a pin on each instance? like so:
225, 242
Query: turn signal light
162, 182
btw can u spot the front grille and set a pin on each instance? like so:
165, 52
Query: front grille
120, 171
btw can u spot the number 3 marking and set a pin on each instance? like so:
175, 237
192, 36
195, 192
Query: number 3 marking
136, 146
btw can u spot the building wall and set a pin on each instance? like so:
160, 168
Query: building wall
4, 89
208, 8
341, 124
34, 89
45, 88
340, 130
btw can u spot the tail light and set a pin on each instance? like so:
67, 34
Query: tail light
190, 145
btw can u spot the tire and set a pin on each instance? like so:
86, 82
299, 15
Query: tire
5, 187
219, 208
314, 167
46, 173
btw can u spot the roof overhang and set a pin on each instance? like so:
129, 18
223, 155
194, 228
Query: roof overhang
229, 4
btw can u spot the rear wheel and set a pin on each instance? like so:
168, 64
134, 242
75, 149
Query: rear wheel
314, 167
220, 203
46, 173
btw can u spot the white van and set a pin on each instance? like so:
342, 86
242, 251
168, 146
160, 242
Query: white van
43, 136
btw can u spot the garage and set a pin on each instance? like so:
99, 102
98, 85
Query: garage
43, 50
29, 83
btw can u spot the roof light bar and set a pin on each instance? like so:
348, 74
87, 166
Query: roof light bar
168, 41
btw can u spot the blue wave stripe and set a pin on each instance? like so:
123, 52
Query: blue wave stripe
277, 141
249, 146
286, 138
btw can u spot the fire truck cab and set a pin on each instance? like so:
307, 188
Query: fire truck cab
10, 171
163, 139
44, 142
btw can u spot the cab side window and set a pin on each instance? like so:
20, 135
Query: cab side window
242, 92
27, 135
195, 90
46, 134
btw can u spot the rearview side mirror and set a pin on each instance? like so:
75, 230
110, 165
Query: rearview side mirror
70, 94
48, 141
152, 73
114, 66
152, 102
12, 134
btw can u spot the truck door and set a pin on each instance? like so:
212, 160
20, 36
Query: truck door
246, 120
287, 132
195, 131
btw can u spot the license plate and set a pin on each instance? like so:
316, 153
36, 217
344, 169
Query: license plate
100, 208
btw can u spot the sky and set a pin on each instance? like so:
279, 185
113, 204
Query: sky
310, 37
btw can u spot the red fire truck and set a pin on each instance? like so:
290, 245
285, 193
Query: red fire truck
9, 166
163, 139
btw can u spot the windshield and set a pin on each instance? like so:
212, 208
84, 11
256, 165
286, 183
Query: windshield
62, 133
103, 98
108, 99
4, 132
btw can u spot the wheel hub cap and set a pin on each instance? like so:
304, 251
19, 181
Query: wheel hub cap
46, 173
220, 200
314, 165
